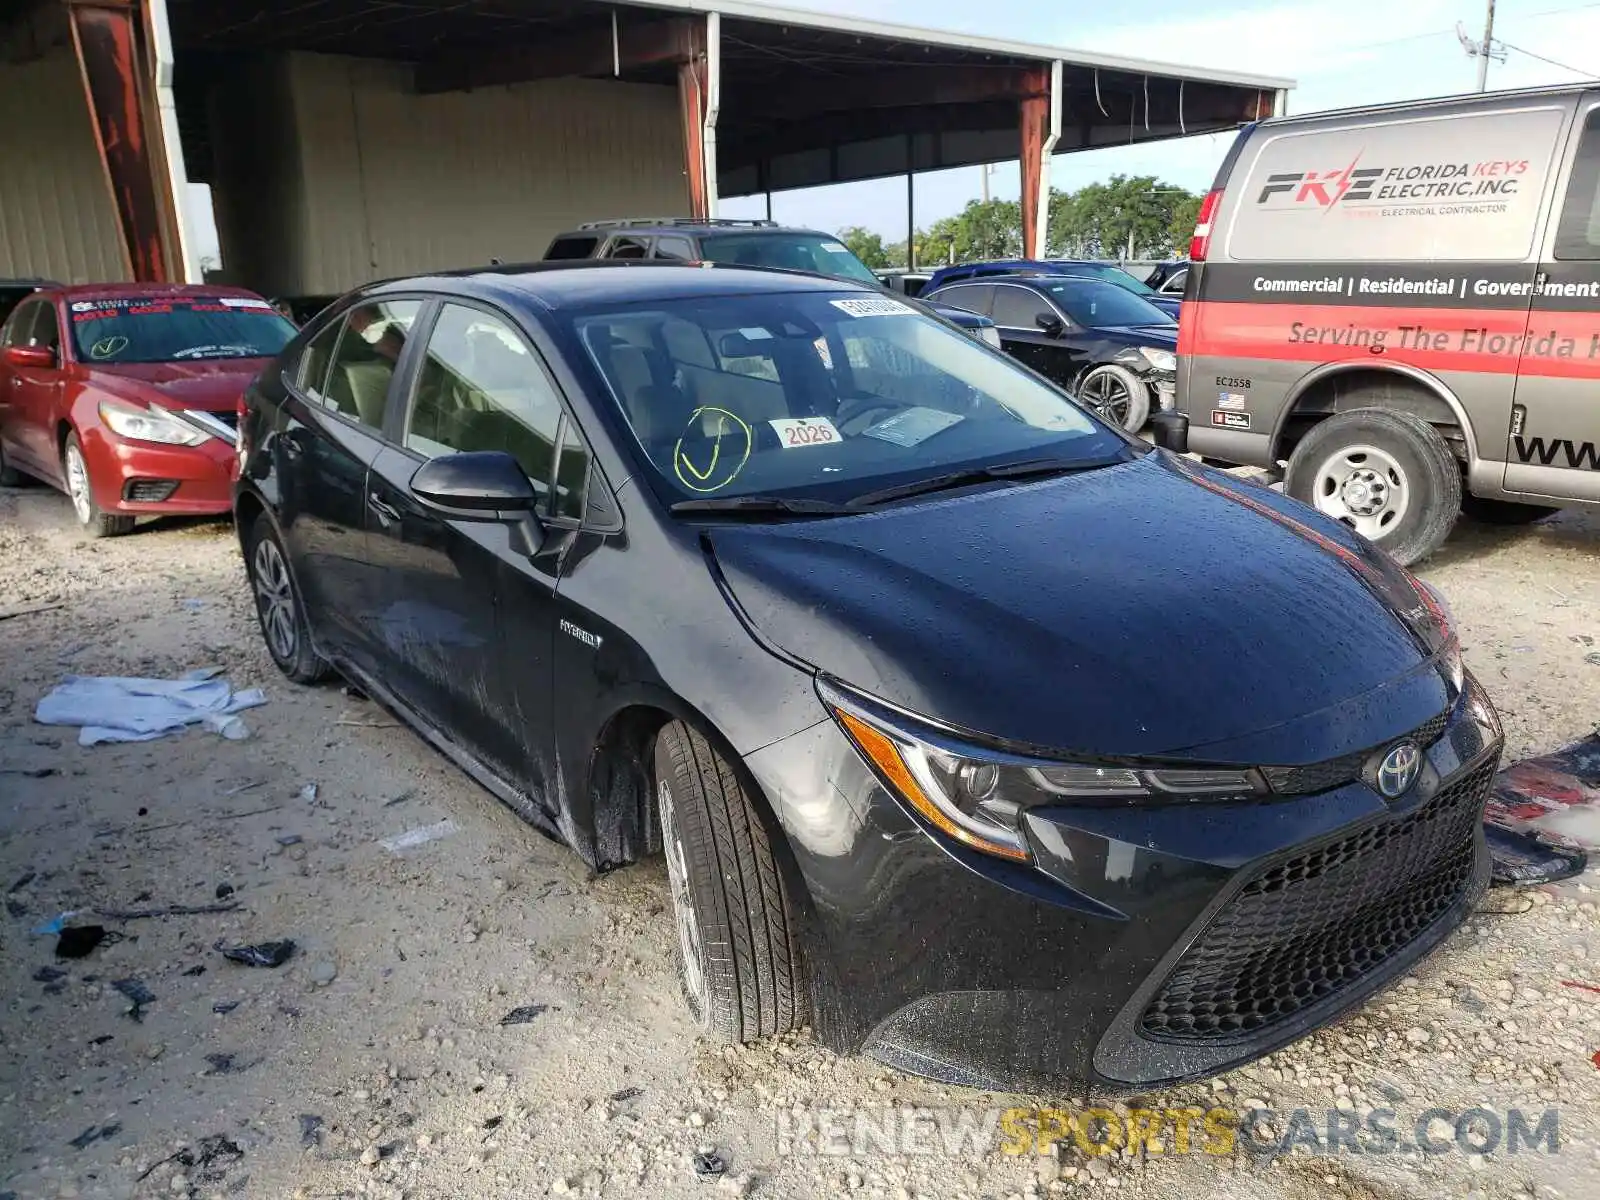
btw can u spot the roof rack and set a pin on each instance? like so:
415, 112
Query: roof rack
634, 222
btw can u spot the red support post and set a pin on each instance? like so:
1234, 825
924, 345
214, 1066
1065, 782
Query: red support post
105, 40
1034, 113
693, 98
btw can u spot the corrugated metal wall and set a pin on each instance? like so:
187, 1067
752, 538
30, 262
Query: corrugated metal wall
396, 183
56, 215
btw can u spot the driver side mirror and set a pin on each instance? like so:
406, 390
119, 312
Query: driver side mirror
1170, 431
486, 482
1050, 323
35, 357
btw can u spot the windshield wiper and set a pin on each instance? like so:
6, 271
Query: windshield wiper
762, 505
1025, 469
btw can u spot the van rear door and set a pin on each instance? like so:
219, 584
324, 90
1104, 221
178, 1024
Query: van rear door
1553, 448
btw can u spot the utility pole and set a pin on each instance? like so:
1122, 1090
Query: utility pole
1483, 51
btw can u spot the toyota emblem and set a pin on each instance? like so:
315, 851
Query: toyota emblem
1398, 770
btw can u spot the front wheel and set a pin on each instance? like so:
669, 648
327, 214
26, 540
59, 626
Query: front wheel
1118, 395
1388, 475
278, 606
75, 470
736, 927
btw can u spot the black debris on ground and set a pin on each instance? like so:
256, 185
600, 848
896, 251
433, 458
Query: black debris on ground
94, 1134
79, 941
48, 974
710, 1165
525, 1015
262, 954
310, 1129
135, 991
622, 1095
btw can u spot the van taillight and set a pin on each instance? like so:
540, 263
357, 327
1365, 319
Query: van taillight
1200, 244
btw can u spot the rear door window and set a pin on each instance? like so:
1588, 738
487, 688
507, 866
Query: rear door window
19, 329
371, 341
679, 248
1016, 307
974, 297
629, 247
1454, 187
576, 246
1578, 234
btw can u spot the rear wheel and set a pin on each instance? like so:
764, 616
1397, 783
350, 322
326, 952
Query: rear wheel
1118, 395
736, 929
79, 490
1388, 475
1503, 512
278, 606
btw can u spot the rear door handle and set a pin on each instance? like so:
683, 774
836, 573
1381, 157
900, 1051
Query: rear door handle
387, 513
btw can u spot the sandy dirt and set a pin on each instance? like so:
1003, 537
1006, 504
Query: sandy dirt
375, 1062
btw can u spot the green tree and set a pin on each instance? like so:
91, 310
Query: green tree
1184, 215
1126, 216
866, 245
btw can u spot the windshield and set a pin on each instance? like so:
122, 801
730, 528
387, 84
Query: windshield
152, 329
1096, 305
793, 251
1116, 275
823, 395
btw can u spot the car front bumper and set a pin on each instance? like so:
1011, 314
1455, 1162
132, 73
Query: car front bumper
127, 476
1146, 945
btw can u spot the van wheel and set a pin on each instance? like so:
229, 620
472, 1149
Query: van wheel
1118, 395
736, 927
1388, 475
94, 522
1503, 512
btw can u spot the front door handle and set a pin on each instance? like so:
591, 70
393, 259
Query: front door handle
387, 513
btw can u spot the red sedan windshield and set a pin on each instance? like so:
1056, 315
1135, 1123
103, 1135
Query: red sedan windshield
152, 329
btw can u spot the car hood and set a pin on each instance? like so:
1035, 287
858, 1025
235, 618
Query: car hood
214, 385
1150, 608
1164, 336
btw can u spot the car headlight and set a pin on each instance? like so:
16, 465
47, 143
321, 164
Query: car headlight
977, 796
151, 424
1159, 360
988, 335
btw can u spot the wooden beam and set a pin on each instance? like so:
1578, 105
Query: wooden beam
1034, 124
589, 52
693, 99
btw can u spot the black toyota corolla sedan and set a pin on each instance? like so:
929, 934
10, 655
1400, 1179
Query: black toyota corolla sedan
992, 741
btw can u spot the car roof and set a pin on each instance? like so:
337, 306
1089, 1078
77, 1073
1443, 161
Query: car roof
80, 291
582, 282
603, 229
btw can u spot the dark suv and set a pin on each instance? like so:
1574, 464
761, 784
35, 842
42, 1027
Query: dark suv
739, 243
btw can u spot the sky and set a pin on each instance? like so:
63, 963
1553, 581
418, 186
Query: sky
1339, 52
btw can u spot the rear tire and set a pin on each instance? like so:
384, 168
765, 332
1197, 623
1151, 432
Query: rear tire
91, 518
279, 609
1117, 394
1503, 512
1388, 475
736, 929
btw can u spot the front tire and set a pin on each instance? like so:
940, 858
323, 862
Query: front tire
279, 609
1388, 475
736, 927
1118, 395
95, 522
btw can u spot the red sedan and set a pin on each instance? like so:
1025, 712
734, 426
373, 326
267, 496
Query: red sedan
125, 396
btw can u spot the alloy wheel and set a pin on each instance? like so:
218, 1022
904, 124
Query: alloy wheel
694, 977
1365, 488
275, 600
1107, 395
78, 484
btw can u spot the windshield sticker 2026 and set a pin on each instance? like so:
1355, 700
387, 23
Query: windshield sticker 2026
712, 450
872, 306
804, 431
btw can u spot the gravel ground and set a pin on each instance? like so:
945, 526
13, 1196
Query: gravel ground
376, 1061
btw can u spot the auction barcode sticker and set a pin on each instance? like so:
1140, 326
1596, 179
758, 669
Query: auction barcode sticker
872, 306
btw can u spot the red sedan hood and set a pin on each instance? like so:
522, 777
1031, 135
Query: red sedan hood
214, 385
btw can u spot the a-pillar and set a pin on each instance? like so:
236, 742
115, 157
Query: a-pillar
699, 92
1040, 118
105, 37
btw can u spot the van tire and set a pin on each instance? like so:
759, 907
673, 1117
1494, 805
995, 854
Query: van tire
1503, 512
742, 973
1112, 381
1388, 475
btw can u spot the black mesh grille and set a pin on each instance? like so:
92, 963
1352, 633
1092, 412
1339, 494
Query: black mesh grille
1301, 931
149, 491
1336, 772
